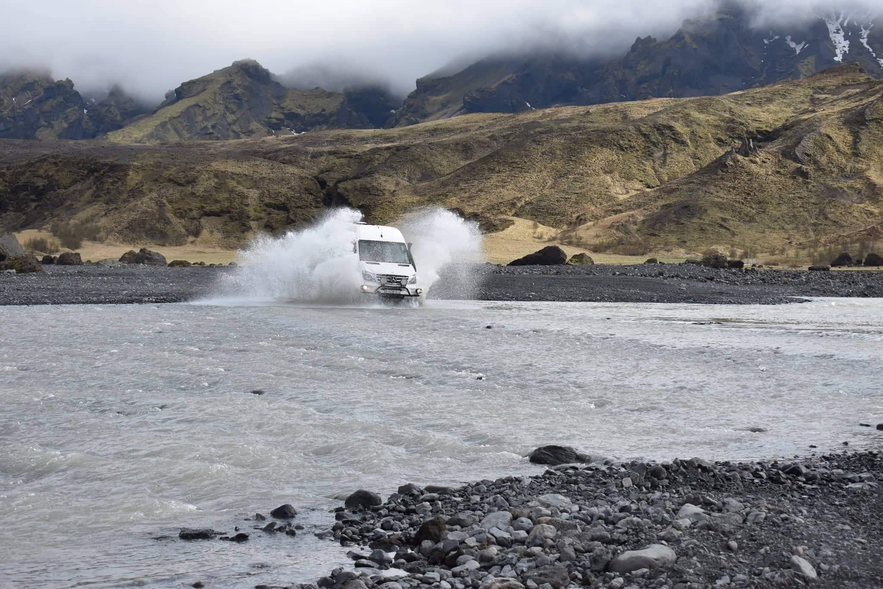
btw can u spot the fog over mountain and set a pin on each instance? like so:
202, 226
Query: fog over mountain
149, 48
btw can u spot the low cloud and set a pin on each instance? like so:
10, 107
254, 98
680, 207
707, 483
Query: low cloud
149, 48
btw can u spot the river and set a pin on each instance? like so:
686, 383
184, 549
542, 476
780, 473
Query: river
121, 424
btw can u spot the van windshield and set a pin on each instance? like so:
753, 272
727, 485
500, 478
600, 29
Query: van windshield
390, 252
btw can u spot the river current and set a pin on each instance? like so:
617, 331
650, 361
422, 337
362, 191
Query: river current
122, 424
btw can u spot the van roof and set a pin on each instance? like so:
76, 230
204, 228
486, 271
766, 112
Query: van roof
379, 233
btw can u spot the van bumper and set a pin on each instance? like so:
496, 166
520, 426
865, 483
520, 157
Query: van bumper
386, 292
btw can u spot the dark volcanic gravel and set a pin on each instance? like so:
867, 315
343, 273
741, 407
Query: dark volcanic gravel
662, 283
61, 285
814, 522
659, 283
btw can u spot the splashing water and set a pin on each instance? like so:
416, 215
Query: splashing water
318, 264
443, 240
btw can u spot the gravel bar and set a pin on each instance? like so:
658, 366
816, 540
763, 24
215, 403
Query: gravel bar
688, 523
656, 283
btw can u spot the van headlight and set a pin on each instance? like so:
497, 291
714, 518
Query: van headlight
368, 277
413, 279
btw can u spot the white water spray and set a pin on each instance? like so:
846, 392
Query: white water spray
318, 264
444, 241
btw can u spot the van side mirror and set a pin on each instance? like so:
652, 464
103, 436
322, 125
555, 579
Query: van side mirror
410, 244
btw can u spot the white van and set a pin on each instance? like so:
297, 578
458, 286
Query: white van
386, 263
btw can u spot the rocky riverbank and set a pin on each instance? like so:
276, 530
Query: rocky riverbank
673, 283
688, 523
659, 283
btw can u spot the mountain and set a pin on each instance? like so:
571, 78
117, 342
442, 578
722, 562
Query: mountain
797, 162
34, 106
375, 102
722, 53
239, 101
114, 111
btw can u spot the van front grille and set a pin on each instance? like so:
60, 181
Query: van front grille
392, 279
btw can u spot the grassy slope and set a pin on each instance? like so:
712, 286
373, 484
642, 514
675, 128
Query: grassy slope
656, 175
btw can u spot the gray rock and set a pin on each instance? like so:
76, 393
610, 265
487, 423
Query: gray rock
380, 557
69, 259
519, 536
692, 513
109, 263
658, 472
499, 534
363, 499
802, 566
21, 265
284, 512
9, 247
554, 500
548, 256
197, 534
464, 569
464, 520
556, 455
540, 534
439, 489
410, 489
433, 530
556, 576
523, 523
497, 519
651, 557
143, 256
733, 506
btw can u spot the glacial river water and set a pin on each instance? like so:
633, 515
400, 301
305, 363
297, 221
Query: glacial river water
120, 424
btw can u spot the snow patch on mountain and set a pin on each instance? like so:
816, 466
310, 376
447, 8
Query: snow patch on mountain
838, 35
797, 47
771, 39
866, 32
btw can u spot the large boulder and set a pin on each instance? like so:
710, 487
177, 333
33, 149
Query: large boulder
9, 247
179, 264
580, 260
143, 256
843, 259
362, 499
149, 258
820, 268
556, 455
69, 259
548, 256
284, 512
432, 530
21, 264
651, 557
874, 260
735, 264
714, 260
48, 260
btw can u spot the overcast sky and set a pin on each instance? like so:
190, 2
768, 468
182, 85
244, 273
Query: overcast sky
150, 47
